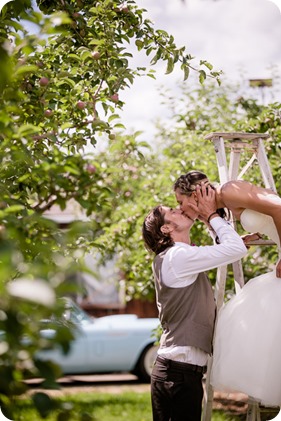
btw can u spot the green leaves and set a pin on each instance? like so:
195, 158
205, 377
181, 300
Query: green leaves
61, 92
6, 67
170, 66
202, 76
43, 403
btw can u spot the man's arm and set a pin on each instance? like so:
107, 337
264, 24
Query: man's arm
190, 260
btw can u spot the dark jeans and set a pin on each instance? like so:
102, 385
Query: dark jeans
176, 391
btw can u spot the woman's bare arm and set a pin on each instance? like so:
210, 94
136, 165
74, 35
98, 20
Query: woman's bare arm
240, 195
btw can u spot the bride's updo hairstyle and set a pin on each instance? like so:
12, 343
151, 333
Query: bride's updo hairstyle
186, 184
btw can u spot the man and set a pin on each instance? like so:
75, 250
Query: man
185, 302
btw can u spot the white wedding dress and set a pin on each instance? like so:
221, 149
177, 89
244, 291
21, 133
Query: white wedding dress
247, 344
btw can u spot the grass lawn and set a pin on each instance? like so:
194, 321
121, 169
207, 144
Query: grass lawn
127, 406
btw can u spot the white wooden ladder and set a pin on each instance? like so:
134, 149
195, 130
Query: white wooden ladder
230, 148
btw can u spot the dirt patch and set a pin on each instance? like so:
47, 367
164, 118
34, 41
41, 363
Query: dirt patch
237, 404
232, 403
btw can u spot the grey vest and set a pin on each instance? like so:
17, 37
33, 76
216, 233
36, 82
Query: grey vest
187, 314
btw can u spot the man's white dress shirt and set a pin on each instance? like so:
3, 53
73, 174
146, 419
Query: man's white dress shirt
181, 266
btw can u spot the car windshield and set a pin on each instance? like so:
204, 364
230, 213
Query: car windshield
75, 314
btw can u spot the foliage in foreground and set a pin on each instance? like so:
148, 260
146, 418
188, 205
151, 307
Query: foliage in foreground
61, 88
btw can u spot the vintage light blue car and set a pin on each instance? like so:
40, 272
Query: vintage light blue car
117, 343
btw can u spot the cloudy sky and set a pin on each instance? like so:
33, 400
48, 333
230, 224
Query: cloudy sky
236, 36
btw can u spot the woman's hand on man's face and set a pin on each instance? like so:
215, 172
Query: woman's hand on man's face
204, 205
206, 201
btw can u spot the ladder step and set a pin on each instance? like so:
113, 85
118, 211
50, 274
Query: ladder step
236, 136
267, 414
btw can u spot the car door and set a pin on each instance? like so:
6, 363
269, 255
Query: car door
115, 346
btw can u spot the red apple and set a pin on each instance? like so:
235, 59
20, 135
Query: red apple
91, 169
124, 9
48, 113
44, 81
81, 105
114, 98
95, 55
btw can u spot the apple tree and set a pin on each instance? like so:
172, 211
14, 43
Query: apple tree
65, 67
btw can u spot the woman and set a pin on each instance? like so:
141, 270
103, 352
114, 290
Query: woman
247, 345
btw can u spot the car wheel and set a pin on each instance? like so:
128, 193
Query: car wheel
145, 363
